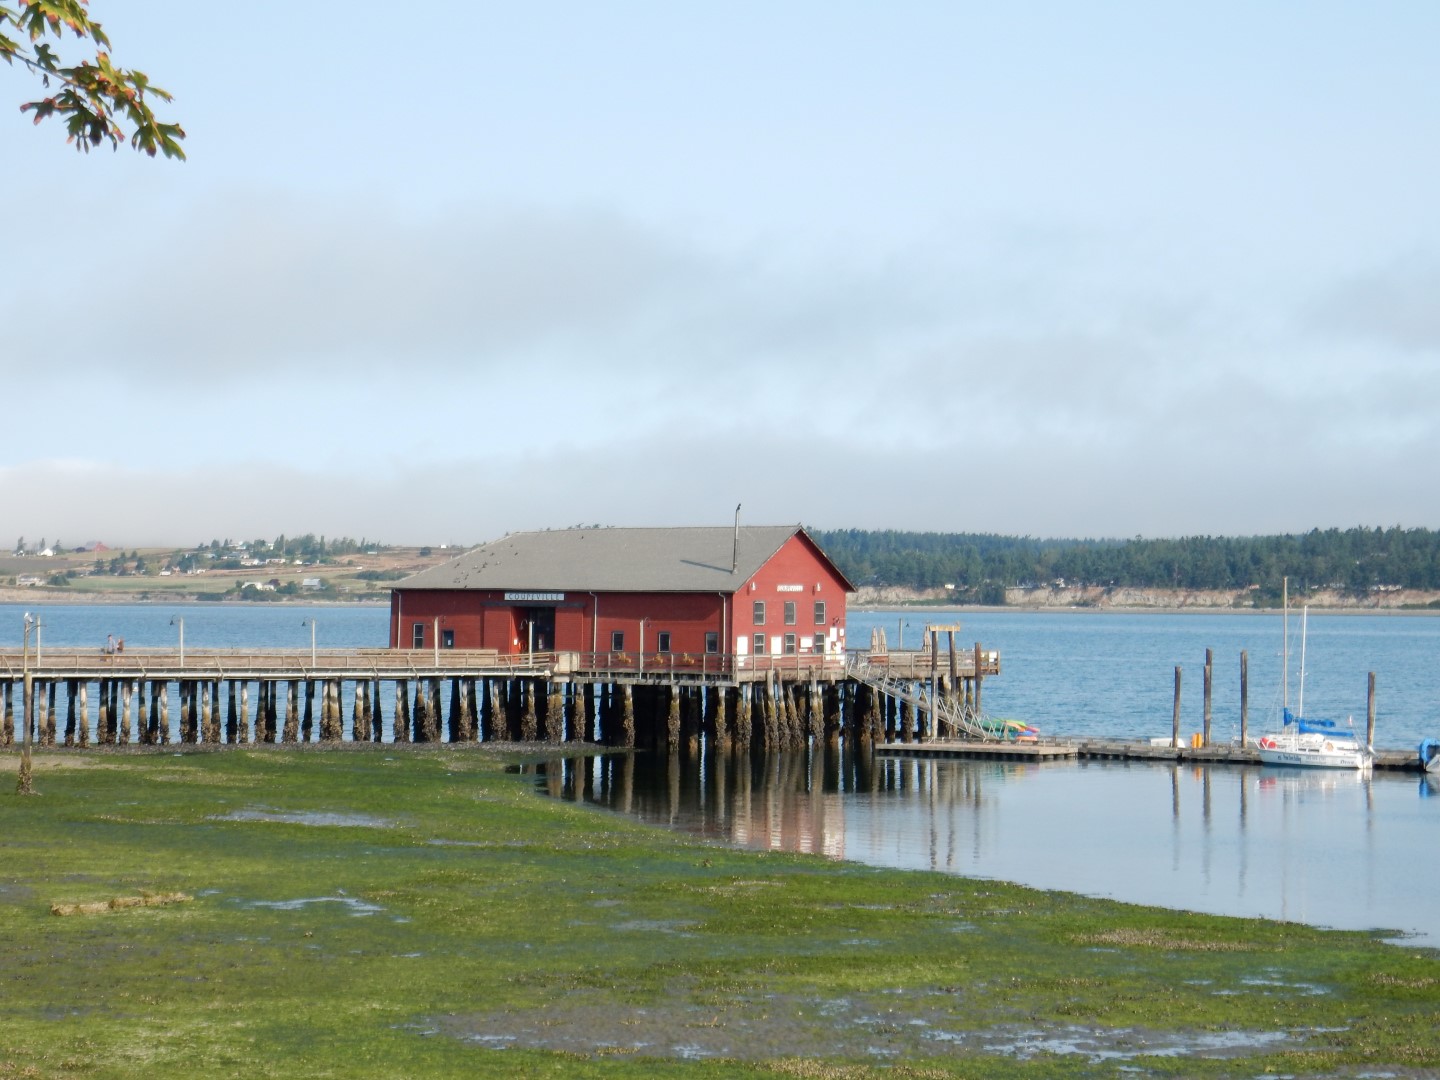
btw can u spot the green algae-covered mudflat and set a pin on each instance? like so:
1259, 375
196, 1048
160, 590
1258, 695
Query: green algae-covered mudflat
408, 912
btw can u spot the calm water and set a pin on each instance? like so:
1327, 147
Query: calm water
1334, 849
1087, 673
1330, 849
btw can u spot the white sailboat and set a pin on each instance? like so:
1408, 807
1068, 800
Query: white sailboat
1318, 744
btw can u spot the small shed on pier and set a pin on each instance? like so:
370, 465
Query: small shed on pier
742, 591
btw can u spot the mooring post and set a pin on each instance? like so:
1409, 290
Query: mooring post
1175, 721
1244, 698
933, 723
1209, 683
979, 674
1370, 712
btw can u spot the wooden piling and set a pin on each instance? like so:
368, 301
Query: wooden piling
402, 718
1175, 718
1370, 712
81, 734
1244, 698
1209, 683
627, 715
744, 721
125, 692
290, 729
672, 720
979, 678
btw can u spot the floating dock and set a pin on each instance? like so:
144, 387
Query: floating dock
1110, 750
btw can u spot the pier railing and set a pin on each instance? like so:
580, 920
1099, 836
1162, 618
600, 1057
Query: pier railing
269, 663
699, 667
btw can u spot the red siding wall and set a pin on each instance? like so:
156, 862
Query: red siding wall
798, 563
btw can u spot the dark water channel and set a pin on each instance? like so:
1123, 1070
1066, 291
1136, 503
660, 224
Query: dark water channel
1326, 848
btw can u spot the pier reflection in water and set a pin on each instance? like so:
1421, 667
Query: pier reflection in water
1328, 848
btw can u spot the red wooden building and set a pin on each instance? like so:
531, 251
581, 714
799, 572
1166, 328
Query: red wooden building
738, 592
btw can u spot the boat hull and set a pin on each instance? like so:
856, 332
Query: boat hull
1312, 751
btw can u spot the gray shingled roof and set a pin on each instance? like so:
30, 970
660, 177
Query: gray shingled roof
611, 560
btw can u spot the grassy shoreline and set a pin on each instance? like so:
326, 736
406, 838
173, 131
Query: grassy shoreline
383, 911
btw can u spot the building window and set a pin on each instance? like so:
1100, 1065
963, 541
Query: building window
447, 639
820, 643
789, 644
662, 641
789, 612
417, 636
712, 641
759, 618
759, 644
617, 640
819, 612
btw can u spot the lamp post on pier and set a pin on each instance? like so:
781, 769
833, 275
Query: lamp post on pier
24, 784
179, 620
311, 622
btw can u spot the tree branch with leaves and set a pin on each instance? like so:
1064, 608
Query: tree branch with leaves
92, 96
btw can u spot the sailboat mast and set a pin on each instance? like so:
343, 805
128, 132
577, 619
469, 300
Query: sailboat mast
1285, 655
1304, 626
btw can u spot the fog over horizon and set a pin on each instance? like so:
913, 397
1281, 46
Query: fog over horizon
1059, 271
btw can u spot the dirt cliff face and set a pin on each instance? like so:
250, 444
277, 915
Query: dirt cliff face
1122, 598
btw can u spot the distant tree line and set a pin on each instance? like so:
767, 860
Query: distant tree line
980, 566
310, 548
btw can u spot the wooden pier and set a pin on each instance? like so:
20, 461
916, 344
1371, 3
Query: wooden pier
132, 696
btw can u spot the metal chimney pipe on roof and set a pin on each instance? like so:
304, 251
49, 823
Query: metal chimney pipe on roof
735, 556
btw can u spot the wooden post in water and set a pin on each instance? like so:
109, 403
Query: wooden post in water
80, 735
142, 718
102, 725
290, 732
1370, 712
1175, 720
1244, 698
932, 725
402, 723
555, 713
979, 676
125, 694
1209, 686
627, 715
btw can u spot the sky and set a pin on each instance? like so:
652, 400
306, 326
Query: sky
1108, 269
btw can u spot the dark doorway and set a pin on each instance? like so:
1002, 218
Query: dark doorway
537, 629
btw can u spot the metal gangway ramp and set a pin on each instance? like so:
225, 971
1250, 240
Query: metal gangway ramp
946, 715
